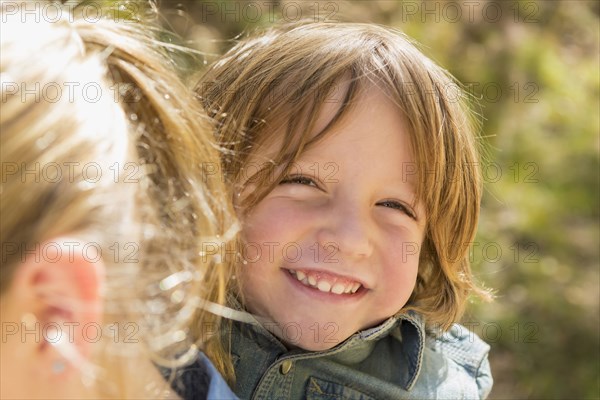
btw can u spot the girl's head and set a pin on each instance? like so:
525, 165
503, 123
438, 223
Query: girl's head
353, 161
103, 213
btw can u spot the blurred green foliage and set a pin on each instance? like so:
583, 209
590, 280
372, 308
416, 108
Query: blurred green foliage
532, 68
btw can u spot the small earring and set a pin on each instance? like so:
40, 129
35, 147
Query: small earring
58, 367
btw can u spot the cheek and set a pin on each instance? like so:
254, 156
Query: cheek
403, 247
270, 222
263, 232
401, 267
401, 276
260, 226
399, 284
253, 289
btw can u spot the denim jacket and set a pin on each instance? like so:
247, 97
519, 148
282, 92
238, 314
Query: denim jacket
395, 360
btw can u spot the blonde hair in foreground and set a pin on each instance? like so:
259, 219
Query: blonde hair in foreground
278, 81
150, 142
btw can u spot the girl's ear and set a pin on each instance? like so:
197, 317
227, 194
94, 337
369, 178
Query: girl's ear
60, 284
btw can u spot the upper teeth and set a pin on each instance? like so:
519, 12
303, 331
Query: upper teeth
320, 283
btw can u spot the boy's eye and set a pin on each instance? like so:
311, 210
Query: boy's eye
299, 180
396, 205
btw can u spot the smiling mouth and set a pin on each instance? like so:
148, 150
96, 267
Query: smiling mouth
325, 282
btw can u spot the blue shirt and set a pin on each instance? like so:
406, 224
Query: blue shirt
201, 381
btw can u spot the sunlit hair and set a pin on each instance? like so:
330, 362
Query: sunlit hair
276, 83
141, 129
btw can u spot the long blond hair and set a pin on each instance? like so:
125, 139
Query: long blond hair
279, 80
150, 142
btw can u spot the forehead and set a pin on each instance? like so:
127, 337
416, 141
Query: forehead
374, 125
333, 104
371, 116
298, 121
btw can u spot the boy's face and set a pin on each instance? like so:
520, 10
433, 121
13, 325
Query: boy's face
334, 248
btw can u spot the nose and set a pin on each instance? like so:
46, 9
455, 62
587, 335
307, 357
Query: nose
347, 230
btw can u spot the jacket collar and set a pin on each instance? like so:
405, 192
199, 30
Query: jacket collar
408, 328
412, 334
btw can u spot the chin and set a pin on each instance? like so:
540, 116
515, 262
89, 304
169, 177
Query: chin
305, 335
